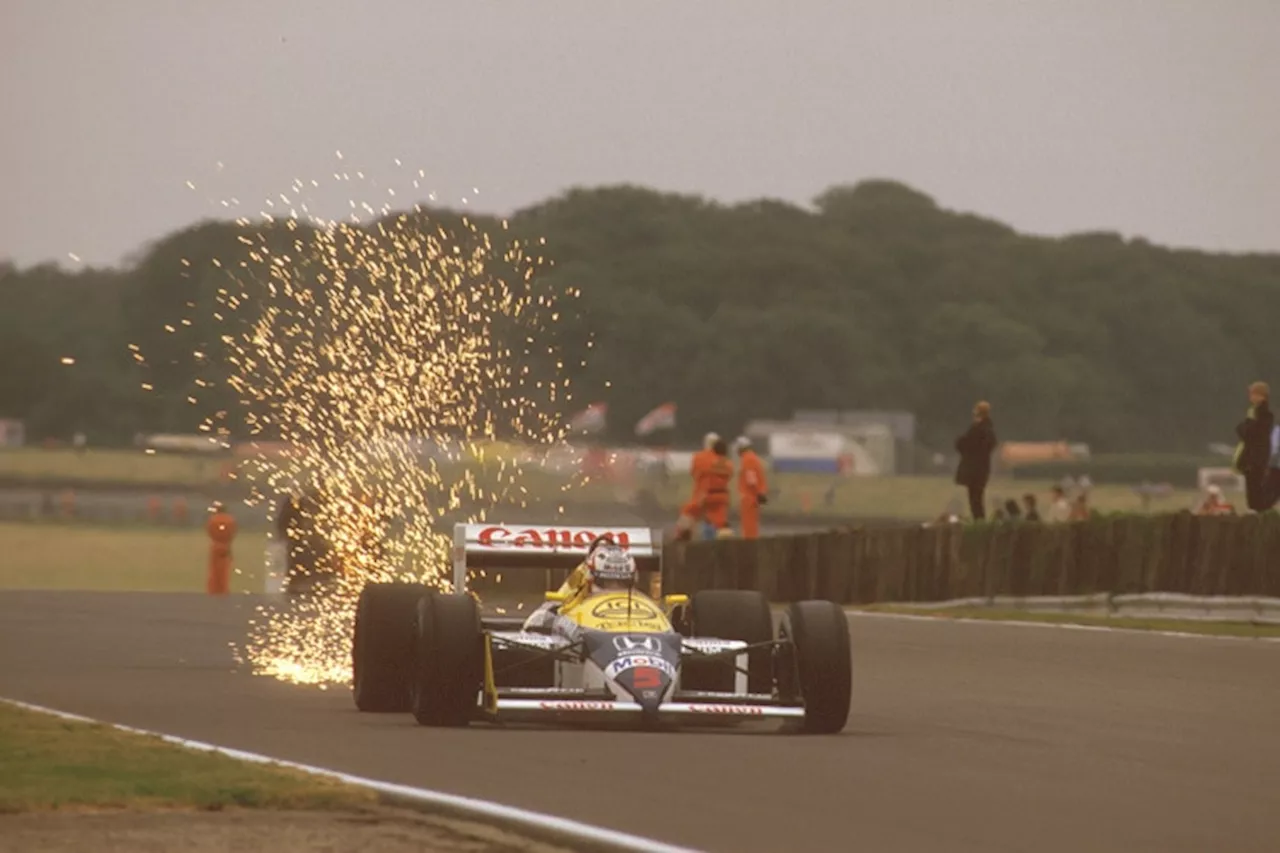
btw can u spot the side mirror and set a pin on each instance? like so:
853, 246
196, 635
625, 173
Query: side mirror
675, 599
557, 596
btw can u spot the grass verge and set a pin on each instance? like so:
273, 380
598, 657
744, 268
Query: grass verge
51, 763
907, 497
124, 559
1138, 623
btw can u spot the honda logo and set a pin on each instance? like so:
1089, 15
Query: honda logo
637, 644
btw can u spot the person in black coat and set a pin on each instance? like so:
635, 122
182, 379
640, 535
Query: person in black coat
975, 448
308, 553
1253, 460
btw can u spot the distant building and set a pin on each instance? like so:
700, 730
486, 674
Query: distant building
12, 433
888, 437
826, 445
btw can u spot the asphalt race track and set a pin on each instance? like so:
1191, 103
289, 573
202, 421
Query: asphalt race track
964, 737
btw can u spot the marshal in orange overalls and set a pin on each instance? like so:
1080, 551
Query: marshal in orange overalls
691, 512
221, 528
713, 491
702, 460
752, 490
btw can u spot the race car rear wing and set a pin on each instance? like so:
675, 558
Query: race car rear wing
538, 546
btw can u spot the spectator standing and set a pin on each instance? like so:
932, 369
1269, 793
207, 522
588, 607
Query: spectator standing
309, 555
975, 448
1253, 455
1080, 508
1273, 475
1059, 508
1214, 503
1033, 511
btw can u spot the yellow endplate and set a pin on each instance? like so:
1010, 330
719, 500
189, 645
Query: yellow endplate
617, 611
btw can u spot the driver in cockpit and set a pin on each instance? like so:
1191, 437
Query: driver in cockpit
608, 566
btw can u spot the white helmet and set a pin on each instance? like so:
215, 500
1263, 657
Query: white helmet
709, 439
612, 567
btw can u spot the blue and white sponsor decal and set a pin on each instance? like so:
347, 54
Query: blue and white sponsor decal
622, 664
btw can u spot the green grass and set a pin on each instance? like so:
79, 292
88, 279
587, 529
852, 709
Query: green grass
791, 494
52, 763
1140, 623
132, 558
40, 466
913, 497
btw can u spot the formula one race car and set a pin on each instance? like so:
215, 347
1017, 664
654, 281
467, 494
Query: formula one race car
615, 654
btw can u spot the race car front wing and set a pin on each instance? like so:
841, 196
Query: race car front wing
668, 710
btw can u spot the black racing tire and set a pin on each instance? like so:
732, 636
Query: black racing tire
730, 614
448, 667
819, 634
382, 646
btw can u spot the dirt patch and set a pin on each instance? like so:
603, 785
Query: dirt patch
384, 830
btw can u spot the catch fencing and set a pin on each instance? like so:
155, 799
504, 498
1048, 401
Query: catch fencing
1183, 553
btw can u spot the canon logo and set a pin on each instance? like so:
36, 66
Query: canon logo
749, 710
529, 537
577, 706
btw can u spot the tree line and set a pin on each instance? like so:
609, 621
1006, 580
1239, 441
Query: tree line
873, 297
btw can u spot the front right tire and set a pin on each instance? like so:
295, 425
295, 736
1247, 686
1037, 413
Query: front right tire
448, 667
823, 663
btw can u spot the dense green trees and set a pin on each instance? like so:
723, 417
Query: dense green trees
874, 298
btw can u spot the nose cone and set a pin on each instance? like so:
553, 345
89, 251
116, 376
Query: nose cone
648, 685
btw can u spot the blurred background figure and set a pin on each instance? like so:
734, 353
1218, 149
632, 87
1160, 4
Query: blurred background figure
713, 490
1059, 507
975, 447
1214, 503
752, 487
1273, 474
997, 510
1253, 454
692, 512
221, 530
309, 557
1032, 511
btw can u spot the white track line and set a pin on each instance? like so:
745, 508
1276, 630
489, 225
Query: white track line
1018, 623
532, 823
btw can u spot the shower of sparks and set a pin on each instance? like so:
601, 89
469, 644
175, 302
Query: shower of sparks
379, 355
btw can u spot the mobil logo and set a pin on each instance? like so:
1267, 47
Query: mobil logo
632, 662
495, 536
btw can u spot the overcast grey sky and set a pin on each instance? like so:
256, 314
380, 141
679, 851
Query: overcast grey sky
1158, 118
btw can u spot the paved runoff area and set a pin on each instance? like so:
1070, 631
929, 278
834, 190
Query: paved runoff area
963, 736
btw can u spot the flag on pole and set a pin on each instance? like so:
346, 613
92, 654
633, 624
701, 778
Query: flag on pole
590, 419
663, 417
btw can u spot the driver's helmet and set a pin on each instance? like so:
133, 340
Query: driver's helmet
611, 567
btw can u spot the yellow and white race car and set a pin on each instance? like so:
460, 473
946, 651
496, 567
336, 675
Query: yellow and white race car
596, 651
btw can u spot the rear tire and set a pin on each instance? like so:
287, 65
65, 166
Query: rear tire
726, 614
819, 632
382, 646
448, 667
